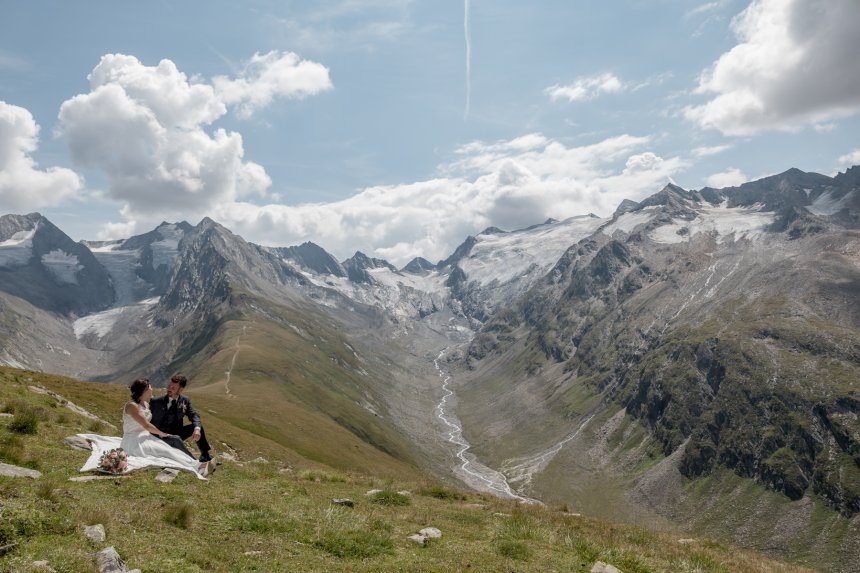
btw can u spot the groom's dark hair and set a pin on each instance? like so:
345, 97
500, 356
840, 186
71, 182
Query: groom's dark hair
179, 379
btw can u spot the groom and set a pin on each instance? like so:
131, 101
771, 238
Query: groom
168, 413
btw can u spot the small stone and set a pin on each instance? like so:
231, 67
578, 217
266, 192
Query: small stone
373, 492
431, 533
108, 561
686, 541
77, 443
500, 514
418, 538
344, 502
404, 492
9, 470
43, 566
96, 478
6, 415
260, 460
167, 475
253, 553
95, 532
601, 567
7, 548
227, 457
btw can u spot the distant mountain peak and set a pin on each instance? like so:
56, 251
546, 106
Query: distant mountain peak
311, 256
460, 252
183, 225
357, 266
670, 196
671, 187
207, 222
626, 206
418, 265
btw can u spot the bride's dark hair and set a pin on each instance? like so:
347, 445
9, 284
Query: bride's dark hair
138, 387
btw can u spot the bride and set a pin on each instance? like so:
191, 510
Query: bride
139, 439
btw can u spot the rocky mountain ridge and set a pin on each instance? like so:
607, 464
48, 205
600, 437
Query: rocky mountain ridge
718, 328
725, 322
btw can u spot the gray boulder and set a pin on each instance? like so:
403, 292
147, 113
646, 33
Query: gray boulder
9, 470
95, 532
601, 567
77, 443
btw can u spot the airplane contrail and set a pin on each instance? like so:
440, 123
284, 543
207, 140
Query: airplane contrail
468, 58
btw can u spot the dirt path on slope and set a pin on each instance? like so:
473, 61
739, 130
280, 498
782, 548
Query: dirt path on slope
229, 372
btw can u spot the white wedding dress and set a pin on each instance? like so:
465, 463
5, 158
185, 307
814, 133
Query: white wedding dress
144, 450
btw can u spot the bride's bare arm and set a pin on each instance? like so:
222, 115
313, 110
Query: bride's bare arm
134, 411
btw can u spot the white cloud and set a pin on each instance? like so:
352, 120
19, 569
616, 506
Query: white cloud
852, 158
23, 186
145, 127
510, 184
796, 64
347, 24
111, 231
731, 177
706, 151
270, 75
586, 88
705, 8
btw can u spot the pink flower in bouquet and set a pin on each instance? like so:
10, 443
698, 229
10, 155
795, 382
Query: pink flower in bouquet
114, 461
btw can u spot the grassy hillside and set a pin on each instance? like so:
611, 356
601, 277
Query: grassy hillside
277, 515
298, 383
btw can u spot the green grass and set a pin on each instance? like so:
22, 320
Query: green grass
261, 521
179, 514
253, 517
355, 544
24, 422
320, 476
440, 492
513, 550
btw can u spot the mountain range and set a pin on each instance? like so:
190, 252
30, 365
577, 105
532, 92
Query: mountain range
692, 360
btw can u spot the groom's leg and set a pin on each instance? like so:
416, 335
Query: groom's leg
175, 442
202, 443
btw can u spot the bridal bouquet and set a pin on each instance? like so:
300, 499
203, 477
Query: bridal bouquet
114, 461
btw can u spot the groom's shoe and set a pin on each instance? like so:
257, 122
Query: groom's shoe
210, 463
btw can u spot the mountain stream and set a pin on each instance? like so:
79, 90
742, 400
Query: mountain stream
468, 468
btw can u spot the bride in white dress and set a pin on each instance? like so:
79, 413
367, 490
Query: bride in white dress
143, 448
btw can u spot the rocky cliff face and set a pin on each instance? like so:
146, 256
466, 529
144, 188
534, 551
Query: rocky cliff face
724, 321
42, 265
213, 263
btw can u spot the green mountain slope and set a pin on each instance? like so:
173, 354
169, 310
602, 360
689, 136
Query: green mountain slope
708, 381
277, 515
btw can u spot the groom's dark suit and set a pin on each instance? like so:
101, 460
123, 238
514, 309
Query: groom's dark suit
169, 418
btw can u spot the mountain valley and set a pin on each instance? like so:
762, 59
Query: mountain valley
691, 362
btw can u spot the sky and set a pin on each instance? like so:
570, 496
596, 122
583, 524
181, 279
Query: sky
399, 127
